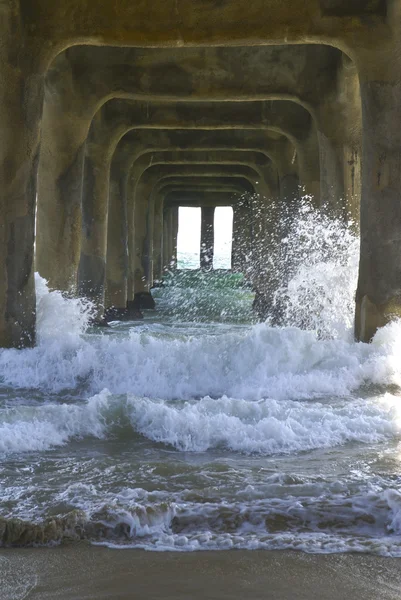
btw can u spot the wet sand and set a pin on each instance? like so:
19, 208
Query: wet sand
83, 572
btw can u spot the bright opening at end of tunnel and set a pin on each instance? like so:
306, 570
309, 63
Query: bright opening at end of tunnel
223, 233
189, 237
188, 240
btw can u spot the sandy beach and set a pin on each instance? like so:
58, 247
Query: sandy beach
84, 572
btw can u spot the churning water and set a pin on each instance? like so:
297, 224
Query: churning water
198, 429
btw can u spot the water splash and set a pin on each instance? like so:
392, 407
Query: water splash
59, 316
305, 265
320, 258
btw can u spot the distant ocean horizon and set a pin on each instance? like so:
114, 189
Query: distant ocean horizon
190, 260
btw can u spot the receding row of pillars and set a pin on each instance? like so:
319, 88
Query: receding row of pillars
102, 103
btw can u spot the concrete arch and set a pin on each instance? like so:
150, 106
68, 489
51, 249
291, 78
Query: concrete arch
99, 148
117, 269
169, 24
91, 269
33, 33
68, 176
65, 176
244, 217
62, 271
205, 198
68, 247
142, 232
242, 223
109, 127
75, 214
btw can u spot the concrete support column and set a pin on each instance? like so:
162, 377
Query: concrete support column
131, 184
20, 110
332, 176
64, 131
173, 237
158, 238
170, 234
241, 236
352, 183
265, 270
378, 297
141, 257
309, 167
288, 177
166, 238
117, 242
141, 227
95, 205
207, 238
289, 186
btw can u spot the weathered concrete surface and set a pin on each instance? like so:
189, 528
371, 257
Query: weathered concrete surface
274, 145
253, 219
378, 297
278, 115
208, 199
241, 248
20, 110
204, 139
139, 227
118, 117
144, 235
117, 242
64, 130
91, 76
338, 23
317, 77
95, 208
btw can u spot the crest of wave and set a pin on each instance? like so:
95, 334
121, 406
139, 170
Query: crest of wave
59, 316
319, 262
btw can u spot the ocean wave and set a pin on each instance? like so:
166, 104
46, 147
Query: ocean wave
368, 522
253, 364
264, 427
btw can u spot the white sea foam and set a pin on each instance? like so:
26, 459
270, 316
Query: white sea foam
266, 427
253, 363
38, 428
59, 317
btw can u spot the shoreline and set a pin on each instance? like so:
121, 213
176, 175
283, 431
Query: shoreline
85, 572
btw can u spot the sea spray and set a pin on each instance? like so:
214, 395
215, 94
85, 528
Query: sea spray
203, 297
59, 316
320, 259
